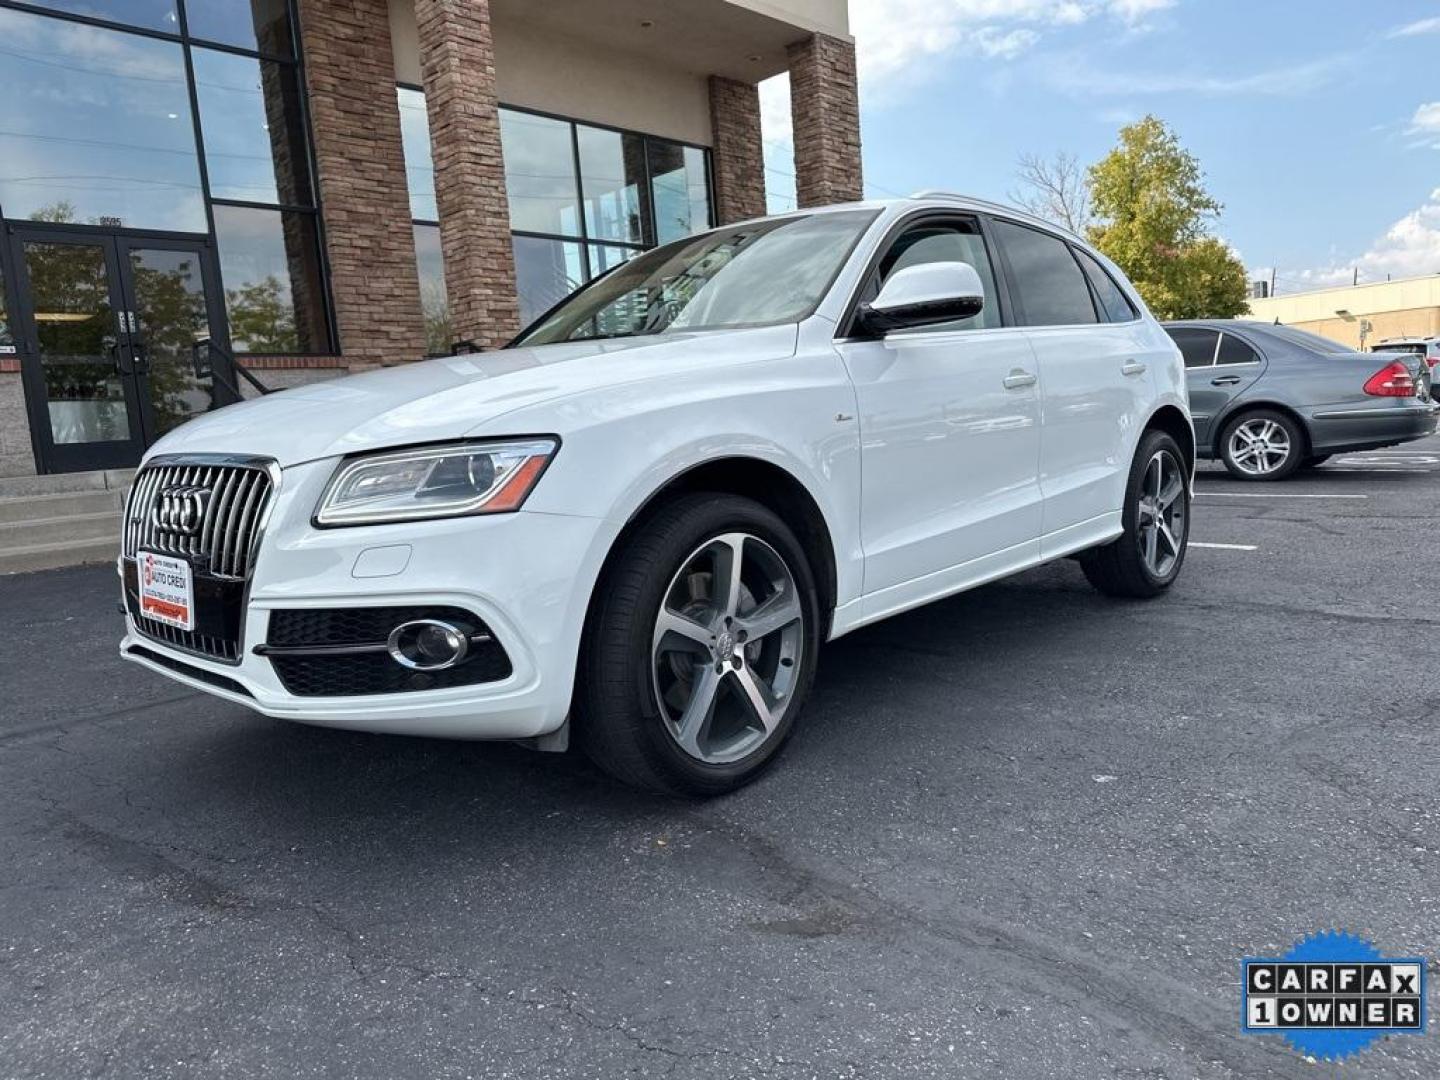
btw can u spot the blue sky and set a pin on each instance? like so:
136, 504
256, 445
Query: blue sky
1317, 122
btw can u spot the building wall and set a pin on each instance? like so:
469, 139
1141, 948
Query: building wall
17, 458
1406, 308
538, 69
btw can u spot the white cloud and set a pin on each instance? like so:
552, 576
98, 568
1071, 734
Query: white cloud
1408, 248
1425, 126
1078, 76
1420, 26
898, 40
1004, 44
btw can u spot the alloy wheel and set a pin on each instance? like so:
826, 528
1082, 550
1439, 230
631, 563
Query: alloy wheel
727, 648
1161, 520
1259, 446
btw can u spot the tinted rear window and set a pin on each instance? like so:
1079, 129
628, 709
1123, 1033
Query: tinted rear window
1113, 301
1196, 345
1045, 279
1415, 349
1235, 351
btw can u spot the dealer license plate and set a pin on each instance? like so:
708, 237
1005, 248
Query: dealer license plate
167, 591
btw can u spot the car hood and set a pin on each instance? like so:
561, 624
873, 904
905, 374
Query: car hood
453, 397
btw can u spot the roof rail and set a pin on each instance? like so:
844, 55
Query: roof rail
990, 204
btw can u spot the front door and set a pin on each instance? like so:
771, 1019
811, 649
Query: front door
121, 338
950, 434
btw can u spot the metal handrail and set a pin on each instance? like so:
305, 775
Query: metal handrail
234, 361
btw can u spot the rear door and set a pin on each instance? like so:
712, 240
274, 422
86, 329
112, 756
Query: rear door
1096, 386
1219, 367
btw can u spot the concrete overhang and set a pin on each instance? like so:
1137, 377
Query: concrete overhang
740, 39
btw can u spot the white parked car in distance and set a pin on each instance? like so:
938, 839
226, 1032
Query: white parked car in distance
637, 524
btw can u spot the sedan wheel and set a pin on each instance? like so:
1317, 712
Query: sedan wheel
1262, 445
728, 642
1259, 446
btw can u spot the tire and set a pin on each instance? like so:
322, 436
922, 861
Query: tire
1314, 460
639, 689
1277, 442
1125, 567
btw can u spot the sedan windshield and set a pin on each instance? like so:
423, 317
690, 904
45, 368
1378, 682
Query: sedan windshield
760, 273
1307, 340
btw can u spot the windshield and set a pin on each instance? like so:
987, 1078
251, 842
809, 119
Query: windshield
1307, 340
1416, 348
760, 273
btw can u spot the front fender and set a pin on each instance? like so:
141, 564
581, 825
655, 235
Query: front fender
621, 445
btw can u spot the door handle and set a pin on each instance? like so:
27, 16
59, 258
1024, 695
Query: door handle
117, 358
1132, 367
1225, 380
1018, 378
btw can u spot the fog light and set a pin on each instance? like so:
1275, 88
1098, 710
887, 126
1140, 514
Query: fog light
428, 645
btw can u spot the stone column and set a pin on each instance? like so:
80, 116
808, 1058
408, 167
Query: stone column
457, 58
360, 165
737, 154
825, 109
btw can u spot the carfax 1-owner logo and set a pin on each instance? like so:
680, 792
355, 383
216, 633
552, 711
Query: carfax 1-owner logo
1332, 995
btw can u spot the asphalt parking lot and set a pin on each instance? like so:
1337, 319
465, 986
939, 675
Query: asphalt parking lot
1027, 832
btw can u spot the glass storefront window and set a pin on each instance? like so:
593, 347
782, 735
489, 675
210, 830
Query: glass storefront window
270, 269
612, 177
173, 315
680, 189
546, 271
108, 142
262, 25
75, 329
539, 173
434, 303
415, 135
251, 120
149, 14
606, 257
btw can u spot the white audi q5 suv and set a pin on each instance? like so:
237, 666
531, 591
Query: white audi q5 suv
637, 524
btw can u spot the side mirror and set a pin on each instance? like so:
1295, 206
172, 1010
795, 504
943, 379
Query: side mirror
924, 295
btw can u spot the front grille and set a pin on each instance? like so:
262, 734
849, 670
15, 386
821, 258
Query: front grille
224, 538
220, 542
340, 652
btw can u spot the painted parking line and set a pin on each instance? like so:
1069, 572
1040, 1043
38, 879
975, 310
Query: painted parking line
1224, 547
1271, 495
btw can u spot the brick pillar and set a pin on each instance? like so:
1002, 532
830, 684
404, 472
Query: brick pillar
738, 155
825, 109
361, 179
457, 58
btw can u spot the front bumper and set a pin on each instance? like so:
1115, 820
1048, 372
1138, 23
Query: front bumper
1336, 429
528, 576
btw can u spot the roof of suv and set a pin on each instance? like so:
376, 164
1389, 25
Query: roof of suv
936, 199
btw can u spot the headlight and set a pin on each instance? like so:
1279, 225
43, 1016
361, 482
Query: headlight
435, 481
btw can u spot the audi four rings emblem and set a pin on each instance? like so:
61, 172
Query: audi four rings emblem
180, 510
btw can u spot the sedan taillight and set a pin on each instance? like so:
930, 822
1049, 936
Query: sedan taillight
1393, 380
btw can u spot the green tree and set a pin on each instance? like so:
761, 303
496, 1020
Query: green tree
1151, 211
261, 318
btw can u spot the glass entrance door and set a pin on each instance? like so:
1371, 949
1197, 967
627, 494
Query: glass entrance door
115, 335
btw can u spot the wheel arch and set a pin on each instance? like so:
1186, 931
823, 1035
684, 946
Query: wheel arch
1221, 422
769, 484
1171, 420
